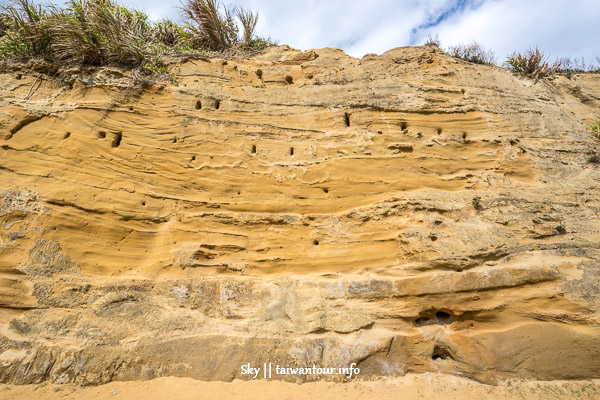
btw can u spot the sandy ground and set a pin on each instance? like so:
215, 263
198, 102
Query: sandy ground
426, 386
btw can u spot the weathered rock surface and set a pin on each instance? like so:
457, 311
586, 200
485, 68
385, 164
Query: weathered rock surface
406, 212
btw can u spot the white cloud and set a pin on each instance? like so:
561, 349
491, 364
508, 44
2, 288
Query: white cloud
559, 27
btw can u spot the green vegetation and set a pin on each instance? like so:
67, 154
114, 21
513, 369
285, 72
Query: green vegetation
101, 32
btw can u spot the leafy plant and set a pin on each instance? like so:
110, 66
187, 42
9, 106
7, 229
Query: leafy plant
532, 64
474, 53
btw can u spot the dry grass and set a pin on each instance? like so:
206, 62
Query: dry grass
473, 53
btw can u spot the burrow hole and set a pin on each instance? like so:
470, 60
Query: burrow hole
198, 105
289, 80
433, 318
404, 126
67, 135
347, 119
253, 149
217, 104
316, 242
439, 353
143, 204
174, 140
259, 73
464, 135
193, 158
117, 139
326, 190
101, 134
291, 151
439, 131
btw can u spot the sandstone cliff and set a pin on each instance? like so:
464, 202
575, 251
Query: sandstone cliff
407, 212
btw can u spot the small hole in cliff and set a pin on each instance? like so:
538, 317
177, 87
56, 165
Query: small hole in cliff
404, 125
316, 242
18, 77
442, 317
310, 76
347, 119
326, 190
464, 135
253, 149
433, 237
130, 108
217, 104
198, 105
462, 90
439, 131
67, 135
101, 134
143, 204
259, 73
439, 353
117, 140
291, 151
193, 158
289, 79
174, 140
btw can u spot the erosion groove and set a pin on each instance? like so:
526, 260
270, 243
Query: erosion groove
407, 212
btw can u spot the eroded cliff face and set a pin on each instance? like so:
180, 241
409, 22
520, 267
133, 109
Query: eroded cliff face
406, 212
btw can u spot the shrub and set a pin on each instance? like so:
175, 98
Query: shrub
100, 32
473, 53
532, 64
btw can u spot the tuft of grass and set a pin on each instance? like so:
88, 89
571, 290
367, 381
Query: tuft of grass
214, 27
473, 53
532, 64
25, 29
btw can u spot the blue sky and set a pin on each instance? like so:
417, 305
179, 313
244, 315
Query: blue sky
559, 27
